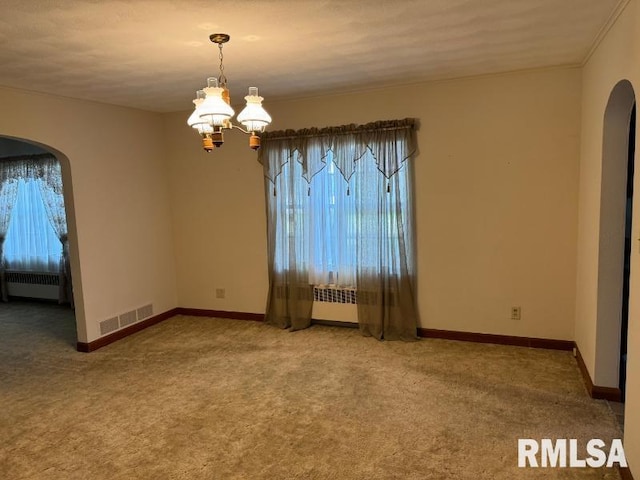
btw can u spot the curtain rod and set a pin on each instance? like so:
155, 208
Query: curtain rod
329, 134
406, 124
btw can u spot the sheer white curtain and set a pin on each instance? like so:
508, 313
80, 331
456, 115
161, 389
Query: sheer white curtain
332, 215
31, 244
324, 232
291, 215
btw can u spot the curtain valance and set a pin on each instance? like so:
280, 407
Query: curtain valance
390, 142
42, 166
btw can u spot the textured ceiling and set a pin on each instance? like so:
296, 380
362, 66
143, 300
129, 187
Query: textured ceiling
154, 54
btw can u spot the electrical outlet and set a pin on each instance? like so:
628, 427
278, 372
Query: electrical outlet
220, 292
516, 313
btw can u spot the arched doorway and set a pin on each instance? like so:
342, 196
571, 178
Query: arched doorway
11, 147
614, 249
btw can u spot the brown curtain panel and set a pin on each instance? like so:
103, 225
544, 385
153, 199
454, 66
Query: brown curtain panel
386, 261
290, 297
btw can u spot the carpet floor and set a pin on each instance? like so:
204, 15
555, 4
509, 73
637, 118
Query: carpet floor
201, 398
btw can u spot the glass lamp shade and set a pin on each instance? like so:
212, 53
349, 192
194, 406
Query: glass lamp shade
214, 110
254, 117
194, 120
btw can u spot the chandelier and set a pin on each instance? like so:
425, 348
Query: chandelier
213, 112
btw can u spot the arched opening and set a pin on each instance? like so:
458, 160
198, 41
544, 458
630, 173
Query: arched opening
615, 236
34, 194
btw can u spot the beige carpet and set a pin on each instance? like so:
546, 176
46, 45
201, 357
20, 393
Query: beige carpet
198, 398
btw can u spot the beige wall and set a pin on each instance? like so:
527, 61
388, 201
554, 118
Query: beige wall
496, 194
616, 58
123, 252
218, 220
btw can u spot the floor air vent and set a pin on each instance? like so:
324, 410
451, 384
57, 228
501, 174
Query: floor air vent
335, 295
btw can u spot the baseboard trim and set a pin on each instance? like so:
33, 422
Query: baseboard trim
596, 392
606, 393
546, 343
199, 312
125, 332
625, 474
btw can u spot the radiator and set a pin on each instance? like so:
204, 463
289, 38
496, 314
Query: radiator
335, 304
33, 284
329, 302
335, 295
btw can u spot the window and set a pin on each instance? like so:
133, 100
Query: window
335, 214
33, 223
339, 213
31, 243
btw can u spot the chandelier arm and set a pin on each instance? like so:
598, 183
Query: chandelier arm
240, 128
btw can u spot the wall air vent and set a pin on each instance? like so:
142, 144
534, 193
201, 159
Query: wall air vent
108, 326
128, 318
145, 312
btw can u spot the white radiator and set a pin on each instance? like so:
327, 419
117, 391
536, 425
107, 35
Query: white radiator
33, 285
335, 304
335, 295
329, 302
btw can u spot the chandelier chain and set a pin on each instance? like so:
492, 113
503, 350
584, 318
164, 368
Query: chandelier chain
222, 78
